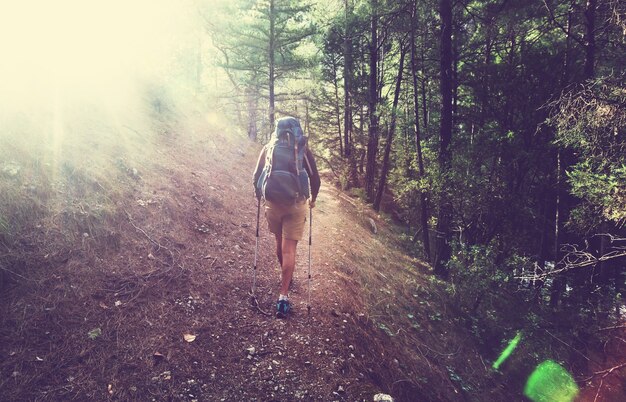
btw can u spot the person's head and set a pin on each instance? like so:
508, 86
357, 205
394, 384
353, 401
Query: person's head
288, 126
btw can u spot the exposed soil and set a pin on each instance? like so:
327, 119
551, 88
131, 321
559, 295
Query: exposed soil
104, 316
178, 261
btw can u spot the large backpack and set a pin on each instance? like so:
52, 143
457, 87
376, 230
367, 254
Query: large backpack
284, 179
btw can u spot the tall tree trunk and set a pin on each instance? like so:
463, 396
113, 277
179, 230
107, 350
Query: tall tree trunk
424, 95
307, 118
372, 143
272, 75
484, 91
361, 135
424, 106
566, 158
423, 81
544, 246
338, 109
390, 133
252, 109
589, 74
455, 77
347, 74
442, 252
559, 282
590, 38
590, 56
408, 157
568, 45
418, 142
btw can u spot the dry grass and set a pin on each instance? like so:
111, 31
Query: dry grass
92, 232
411, 333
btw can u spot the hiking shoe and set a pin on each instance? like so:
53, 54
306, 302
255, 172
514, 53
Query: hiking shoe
282, 308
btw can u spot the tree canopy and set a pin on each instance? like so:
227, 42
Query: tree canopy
491, 131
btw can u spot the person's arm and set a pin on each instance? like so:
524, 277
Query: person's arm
260, 164
314, 176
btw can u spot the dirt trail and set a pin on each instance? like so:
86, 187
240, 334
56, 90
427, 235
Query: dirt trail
239, 352
306, 355
333, 353
104, 318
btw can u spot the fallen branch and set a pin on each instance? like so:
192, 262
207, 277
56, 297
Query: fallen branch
255, 303
598, 392
156, 243
606, 372
614, 327
579, 258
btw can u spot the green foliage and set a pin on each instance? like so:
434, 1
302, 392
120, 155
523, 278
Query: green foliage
511, 60
457, 379
256, 57
477, 267
386, 329
94, 333
604, 195
591, 120
486, 292
434, 317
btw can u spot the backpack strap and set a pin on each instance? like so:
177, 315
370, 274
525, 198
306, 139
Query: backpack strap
269, 152
295, 157
306, 160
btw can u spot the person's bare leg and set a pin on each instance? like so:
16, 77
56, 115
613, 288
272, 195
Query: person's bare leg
279, 252
288, 264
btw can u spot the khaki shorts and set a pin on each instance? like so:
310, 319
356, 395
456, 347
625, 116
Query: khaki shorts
286, 219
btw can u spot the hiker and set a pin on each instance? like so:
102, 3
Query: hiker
284, 171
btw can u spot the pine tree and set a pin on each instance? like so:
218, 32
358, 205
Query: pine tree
259, 41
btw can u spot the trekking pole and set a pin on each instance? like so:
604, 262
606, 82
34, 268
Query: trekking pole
308, 307
256, 247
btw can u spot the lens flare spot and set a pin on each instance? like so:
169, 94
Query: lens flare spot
507, 351
551, 383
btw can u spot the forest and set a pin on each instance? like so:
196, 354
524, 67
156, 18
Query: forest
491, 131
471, 227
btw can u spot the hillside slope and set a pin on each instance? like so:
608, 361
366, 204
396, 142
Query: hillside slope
111, 262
